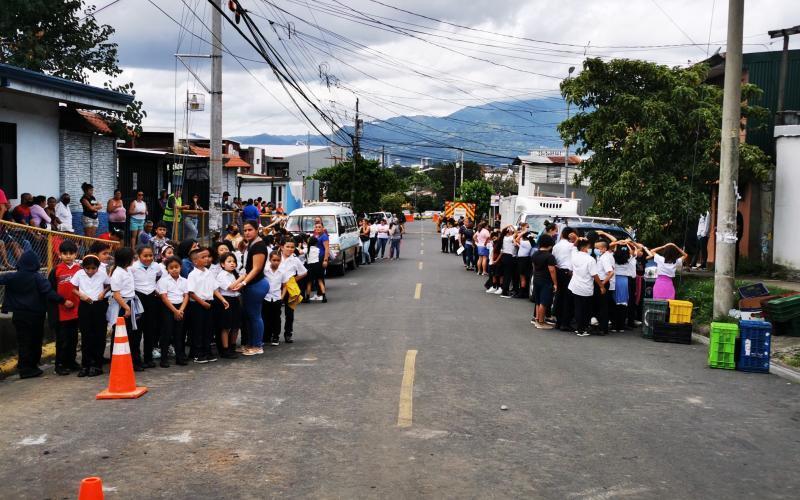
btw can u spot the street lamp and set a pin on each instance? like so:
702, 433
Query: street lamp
566, 144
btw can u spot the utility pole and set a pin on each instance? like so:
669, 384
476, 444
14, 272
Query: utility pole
308, 164
462, 167
215, 165
725, 258
383, 156
785, 33
356, 134
566, 144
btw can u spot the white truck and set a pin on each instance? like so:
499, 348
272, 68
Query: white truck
536, 209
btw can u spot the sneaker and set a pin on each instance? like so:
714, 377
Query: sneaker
249, 351
637, 323
60, 370
200, 360
149, 364
228, 354
324, 299
275, 343
240, 349
95, 371
533, 322
505, 296
163, 363
550, 321
582, 334
156, 353
491, 290
288, 340
594, 322
210, 358
258, 350
544, 326
172, 351
498, 291
83, 372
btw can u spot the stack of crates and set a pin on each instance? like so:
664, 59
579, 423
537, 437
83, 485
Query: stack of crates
754, 346
675, 333
652, 311
680, 311
784, 313
722, 346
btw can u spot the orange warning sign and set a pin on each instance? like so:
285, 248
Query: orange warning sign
458, 209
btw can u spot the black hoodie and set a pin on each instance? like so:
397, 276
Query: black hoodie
26, 289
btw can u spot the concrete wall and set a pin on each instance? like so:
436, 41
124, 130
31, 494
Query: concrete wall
786, 250
87, 158
37, 142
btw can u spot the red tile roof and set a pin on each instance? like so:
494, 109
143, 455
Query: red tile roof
229, 161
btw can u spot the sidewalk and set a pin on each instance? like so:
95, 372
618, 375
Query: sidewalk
786, 285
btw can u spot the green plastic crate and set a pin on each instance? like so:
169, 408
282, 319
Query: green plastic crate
787, 328
652, 311
784, 309
722, 346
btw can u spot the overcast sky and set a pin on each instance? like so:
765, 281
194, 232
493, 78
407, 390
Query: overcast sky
443, 69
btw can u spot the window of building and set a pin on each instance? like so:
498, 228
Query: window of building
8, 159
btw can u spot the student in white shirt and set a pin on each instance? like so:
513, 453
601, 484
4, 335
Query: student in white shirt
202, 289
507, 264
605, 271
625, 290
666, 266
173, 289
125, 303
563, 251
445, 237
91, 287
230, 318
146, 273
292, 267
584, 277
316, 273
271, 307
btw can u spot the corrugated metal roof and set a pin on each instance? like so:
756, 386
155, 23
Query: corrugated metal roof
230, 161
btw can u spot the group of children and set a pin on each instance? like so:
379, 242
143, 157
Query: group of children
167, 294
577, 282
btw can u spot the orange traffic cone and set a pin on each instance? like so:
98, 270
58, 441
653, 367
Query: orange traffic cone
121, 383
91, 489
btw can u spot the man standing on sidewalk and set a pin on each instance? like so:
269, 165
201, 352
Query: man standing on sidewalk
700, 259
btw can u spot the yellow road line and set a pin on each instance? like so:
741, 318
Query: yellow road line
420, 265
422, 252
418, 291
404, 415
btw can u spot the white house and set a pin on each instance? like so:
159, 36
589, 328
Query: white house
787, 203
49, 143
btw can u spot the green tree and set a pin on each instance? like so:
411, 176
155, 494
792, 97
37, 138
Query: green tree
62, 38
654, 132
371, 181
445, 173
503, 186
478, 192
392, 202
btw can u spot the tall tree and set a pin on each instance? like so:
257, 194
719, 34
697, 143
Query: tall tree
446, 174
371, 181
653, 132
478, 192
62, 38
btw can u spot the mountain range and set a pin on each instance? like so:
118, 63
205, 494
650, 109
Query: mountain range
492, 133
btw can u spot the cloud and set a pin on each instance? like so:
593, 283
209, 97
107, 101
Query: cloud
393, 74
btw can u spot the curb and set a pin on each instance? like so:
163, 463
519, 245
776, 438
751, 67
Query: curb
774, 368
8, 367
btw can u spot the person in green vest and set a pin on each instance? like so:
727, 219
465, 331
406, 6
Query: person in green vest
173, 201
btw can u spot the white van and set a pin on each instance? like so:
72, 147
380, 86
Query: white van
342, 227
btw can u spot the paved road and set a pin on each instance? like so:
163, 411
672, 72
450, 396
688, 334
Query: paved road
612, 417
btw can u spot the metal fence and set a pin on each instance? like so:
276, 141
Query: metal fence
18, 238
194, 225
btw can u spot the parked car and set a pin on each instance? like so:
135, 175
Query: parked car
341, 225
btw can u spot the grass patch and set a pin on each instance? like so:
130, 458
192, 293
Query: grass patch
699, 290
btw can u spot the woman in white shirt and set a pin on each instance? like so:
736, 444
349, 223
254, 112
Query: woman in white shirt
138, 213
666, 266
584, 277
507, 260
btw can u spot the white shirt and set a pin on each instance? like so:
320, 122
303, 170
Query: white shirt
275, 279
508, 245
628, 269
703, 225
90, 285
174, 288
215, 270
202, 283
383, 231
145, 278
65, 216
313, 255
122, 281
445, 231
453, 232
662, 268
584, 268
373, 230
525, 248
563, 251
292, 266
139, 206
224, 280
605, 266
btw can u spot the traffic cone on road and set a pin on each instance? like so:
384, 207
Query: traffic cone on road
91, 489
122, 382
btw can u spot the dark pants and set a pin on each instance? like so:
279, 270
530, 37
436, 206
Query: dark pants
620, 313
382, 245
92, 321
508, 268
271, 312
701, 256
583, 312
373, 248
632, 309
172, 333
469, 256
30, 331
148, 324
200, 324
288, 325
602, 305
445, 245
453, 244
66, 343
564, 302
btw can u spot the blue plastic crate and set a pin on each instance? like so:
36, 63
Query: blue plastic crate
754, 348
